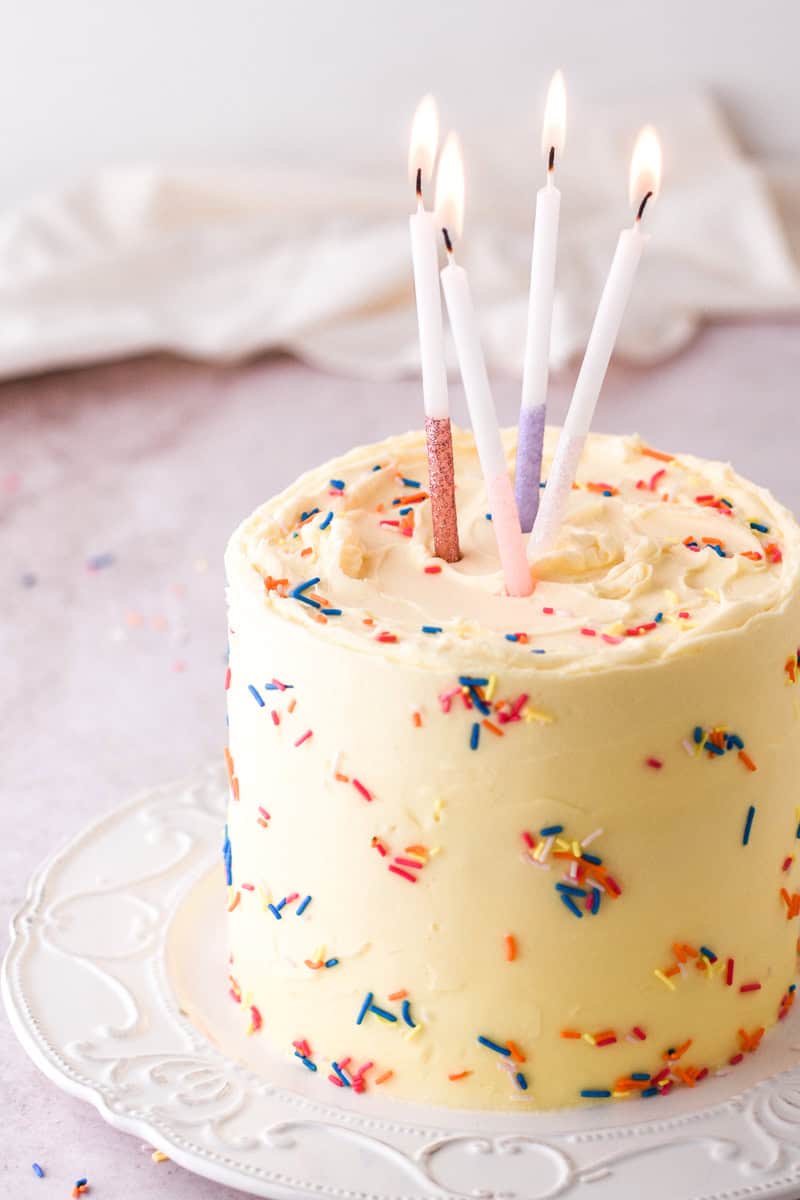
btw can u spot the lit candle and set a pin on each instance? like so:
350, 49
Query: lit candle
463, 322
530, 437
645, 178
425, 258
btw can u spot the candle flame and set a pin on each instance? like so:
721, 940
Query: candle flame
450, 186
645, 178
424, 138
554, 127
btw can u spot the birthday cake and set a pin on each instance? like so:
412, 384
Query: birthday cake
498, 852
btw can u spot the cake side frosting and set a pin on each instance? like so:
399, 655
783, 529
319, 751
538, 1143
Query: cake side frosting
559, 829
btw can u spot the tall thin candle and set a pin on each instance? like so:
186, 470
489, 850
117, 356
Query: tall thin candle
644, 183
464, 324
425, 259
532, 414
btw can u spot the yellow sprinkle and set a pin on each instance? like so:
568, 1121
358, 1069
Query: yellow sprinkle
590, 1038
539, 851
489, 693
438, 805
158, 1156
624, 1095
434, 850
714, 595
562, 844
576, 849
412, 1033
536, 714
660, 975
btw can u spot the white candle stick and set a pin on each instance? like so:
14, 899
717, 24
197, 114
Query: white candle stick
644, 183
423, 228
530, 433
464, 324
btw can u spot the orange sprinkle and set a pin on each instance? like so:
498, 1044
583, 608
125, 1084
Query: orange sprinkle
751, 554
678, 1052
747, 760
570, 1033
495, 729
229, 765
234, 902
511, 947
417, 719
673, 970
386, 1075
422, 851
305, 553
659, 454
235, 786
516, 1053
320, 619
368, 621
341, 778
292, 704
401, 995
459, 1075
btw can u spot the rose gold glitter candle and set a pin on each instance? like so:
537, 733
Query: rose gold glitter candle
442, 488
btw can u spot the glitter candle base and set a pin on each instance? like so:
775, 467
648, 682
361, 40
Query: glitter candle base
556, 495
529, 464
510, 542
441, 485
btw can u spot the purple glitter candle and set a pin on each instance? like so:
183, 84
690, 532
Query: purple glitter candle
529, 464
441, 484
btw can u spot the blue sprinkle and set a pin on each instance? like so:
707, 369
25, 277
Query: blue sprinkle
81, 1182
381, 1012
543, 483
595, 901
595, 1093
748, 825
412, 483
642, 1076
698, 734
256, 695
797, 832
488, 516
362, 1012
326, 522
608, 493
658, 618
551, 830
377, 467
521, 1081
341, 1074
709, 954
481, 705
332, 962
305, 1061
718, 750
306, 515
281, 904
431, 629
339, 484
302, 906
407, 1014
591, 858
651, 1091
538, 652
733, 739
309, 602
512, 637
759, 527
405, 511
469, 681
792, 987
98, 561
570, 889
571, 905
228, 858
331, 612
490, 1045
718, 550
37, 1170
273, 687
297, 591
475, 736
275, 912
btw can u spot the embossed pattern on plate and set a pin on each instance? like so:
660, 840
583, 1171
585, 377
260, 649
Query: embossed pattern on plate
121, 937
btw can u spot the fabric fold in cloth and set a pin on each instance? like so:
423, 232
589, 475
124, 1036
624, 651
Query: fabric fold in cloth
220, 265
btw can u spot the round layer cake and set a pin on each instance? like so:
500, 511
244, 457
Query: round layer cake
492, 852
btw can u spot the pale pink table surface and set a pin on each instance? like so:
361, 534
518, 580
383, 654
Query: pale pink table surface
155, 462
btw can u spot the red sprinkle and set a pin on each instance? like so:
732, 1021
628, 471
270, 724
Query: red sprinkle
737, 1058
750, 987
255, 1019
787, 862
227, 679
729, 973
433, 569
358, 785
385, 637
405, 875
304, 737
589, 632
639, 1033
276, 720
656, 763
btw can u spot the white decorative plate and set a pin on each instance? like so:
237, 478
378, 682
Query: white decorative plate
122, 934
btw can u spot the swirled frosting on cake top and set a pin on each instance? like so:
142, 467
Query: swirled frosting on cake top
657, 551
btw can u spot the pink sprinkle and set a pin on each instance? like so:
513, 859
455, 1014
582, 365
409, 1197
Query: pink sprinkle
227, 679
362, 790
612, 641
517, 706
264, 813
280, 686
255, 1018
409, 862
655, 763
528, 839
304, 737
549, 611
276, 720
248, 887
589, 632
294, 896
405, 874
655, 478
750, 987
335, 1079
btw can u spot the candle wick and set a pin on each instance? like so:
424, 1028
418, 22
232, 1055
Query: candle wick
448, 245
419, 184
551, 160
640, 213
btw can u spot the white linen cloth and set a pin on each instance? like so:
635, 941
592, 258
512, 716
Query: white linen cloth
218, 265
